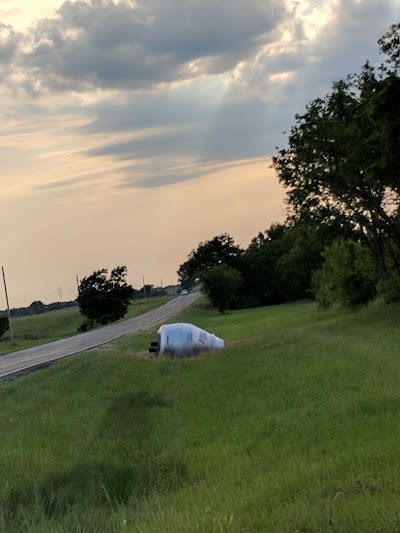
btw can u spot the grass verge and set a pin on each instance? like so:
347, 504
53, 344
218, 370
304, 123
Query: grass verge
293, 427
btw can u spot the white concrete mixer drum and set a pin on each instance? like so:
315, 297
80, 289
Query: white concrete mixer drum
184, 340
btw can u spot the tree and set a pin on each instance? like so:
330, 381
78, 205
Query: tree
37, 307
217, 251
4, 325
279, 262
102, 300
342, 163
261, 279
221, 284
389, 44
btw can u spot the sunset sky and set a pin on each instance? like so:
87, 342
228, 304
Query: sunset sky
132, 130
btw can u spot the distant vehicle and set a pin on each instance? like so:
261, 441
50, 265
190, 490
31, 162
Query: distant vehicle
184, 292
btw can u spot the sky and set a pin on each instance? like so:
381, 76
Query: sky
133, 130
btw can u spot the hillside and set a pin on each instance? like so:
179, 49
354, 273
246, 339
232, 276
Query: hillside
293, 427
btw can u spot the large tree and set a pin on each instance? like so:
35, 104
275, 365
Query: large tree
104, 299
221, 250
342, 163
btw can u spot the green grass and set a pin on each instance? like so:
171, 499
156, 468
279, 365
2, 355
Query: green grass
294, 427
38, 329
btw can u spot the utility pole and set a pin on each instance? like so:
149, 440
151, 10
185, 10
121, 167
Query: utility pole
59, 290
8, 308
144, 290
77, 283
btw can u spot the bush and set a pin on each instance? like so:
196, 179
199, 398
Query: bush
390, 289
348, 275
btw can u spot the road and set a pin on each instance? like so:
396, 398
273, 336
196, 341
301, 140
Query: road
19, 362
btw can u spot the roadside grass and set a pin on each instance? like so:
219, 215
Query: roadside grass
294, 427
53, 325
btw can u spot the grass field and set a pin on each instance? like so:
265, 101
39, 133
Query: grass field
294, 427
38, 329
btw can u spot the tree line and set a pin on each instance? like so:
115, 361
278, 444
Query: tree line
341, 239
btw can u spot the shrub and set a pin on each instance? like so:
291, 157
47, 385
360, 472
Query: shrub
348, 275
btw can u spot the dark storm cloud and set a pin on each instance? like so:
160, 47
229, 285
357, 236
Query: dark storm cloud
98, 43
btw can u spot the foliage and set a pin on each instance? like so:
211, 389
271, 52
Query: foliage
342, 163
37, 307
389, 289
217, 251
304, 244
4, 325
31, 309
158, 292
389, 44
147, 290
102, 300
262, 283
279, 262
221, 284
347, 276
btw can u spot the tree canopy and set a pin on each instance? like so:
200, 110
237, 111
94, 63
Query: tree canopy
37, 307
217, 251
104, 299
342, 162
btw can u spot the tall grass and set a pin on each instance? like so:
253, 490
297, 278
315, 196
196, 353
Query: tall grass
293, 427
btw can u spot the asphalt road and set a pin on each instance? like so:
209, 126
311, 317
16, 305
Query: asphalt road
17, 363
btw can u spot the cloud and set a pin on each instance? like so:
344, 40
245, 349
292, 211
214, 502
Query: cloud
164, 88
205, 121
152, 182
187, 103
9, 45
103, 44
